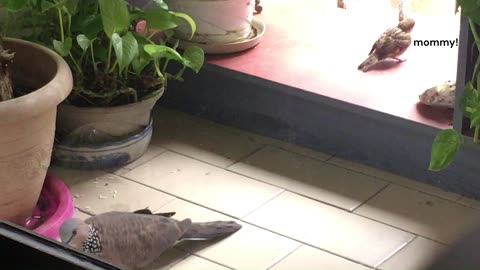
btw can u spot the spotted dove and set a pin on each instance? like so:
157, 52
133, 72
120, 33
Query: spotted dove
135, 240
391, 44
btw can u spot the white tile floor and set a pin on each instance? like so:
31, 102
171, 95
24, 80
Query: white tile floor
300, 209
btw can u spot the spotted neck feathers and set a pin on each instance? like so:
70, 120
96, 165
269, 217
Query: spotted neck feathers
92, 244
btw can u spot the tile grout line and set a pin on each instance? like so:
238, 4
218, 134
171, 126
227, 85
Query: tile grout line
243, 175
266, 143
212, 261
163, 150
194, 158
291, 151
399, 184
371, 197
330, 158
247, 222
394, 252
192, 253
181, 198
403, 230
291, 191
250, 223
315, 200
306, 156
305, 243
246, 156
264, 203
284, 257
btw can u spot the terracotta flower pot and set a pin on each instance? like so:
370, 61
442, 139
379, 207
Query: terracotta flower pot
27, 126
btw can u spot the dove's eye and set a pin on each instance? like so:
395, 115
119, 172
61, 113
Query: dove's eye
74, 232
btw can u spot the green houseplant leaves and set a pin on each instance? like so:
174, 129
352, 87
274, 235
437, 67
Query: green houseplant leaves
98, 39
444, 148
115, 16
448, 142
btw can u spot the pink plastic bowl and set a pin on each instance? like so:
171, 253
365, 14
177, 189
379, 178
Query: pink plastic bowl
54, 206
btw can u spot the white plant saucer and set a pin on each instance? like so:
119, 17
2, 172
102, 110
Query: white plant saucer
258, 29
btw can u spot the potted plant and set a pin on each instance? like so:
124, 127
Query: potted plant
33, 81
119, 73
448, 142
218, 21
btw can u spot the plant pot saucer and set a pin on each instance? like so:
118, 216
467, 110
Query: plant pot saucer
258, 30
107, 155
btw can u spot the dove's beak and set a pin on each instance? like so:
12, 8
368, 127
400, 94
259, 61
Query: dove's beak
69, 239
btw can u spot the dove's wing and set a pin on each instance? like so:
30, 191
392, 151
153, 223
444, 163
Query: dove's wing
395, 44
135, 240
379, 43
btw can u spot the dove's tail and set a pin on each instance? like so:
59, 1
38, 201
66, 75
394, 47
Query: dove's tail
209, 230
368, 63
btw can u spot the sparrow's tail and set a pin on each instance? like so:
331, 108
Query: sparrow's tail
368, 63
209, 230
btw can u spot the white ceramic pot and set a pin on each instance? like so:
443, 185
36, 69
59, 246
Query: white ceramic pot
27, 126
218, 21
103, 138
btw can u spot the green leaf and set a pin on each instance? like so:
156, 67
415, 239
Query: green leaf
83, 42
63, 48
477, 64
161, 51
139, 63
444, 148
161, 20
161, 4
471, 9
117, 47
469, 6
13, 5
100, 52
92, 26
190, 21
46, 5
143, 59
130, 50
475, 119
194, 58
470, 101
115, 16
126, 49
72, 6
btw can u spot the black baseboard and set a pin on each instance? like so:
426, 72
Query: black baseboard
322, 123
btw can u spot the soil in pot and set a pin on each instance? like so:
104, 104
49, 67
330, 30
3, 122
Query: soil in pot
21, 90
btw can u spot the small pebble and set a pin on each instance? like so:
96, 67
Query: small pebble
87, 207
102, 197
76, 196
106, 184
114, 195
